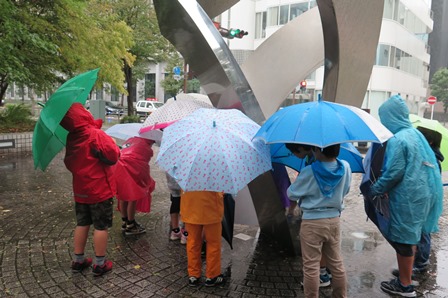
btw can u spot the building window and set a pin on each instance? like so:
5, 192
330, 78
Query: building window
260, 25
99, 94
150, 85
297, 9
273, 16
382, 57
284, 11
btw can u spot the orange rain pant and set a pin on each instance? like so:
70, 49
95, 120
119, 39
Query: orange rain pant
212, 234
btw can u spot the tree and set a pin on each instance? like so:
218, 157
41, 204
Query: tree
149, 44
439, 86
44, 42
169, 84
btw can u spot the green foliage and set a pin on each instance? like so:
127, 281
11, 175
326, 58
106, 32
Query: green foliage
44, 42
193, 86
16, 118
169, 84
439, 86
130, 119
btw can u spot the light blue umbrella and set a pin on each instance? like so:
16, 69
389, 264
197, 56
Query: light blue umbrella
212, 149
124, 131
281, 154
320, 123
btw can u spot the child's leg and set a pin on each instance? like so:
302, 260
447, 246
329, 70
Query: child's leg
213, 257
311, 237
332, 251
80, 239
83, 222
194, 244
174, 212
123, 209
132, 205
102, 214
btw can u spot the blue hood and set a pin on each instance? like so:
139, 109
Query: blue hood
394, 114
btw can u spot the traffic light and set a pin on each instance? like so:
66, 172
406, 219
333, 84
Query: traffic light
238, 33
230, 33
303, 85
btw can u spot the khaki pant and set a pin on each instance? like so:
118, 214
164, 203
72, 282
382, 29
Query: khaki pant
212, 234
322, 237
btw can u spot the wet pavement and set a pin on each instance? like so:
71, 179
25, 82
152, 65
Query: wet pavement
36, 230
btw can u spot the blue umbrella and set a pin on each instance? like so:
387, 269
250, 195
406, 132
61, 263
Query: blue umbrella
320, 123
349, 153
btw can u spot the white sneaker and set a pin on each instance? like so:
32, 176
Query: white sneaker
183, 236
175, 236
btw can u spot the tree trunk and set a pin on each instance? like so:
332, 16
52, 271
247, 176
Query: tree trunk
3, 86
128, 76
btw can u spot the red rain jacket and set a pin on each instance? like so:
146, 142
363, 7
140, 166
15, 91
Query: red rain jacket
90, 155
134, 182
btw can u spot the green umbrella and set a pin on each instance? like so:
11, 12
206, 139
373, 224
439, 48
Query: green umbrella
49, 137
435, 125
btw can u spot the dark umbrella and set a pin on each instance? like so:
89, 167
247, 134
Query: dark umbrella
228, 219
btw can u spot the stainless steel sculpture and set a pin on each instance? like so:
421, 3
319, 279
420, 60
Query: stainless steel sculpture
345, 37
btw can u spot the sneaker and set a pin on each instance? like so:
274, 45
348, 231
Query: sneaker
193, 281
324, 280
78, 267
134, 229
395, 287
175, 236
100, 270
183, 236
211, 282
123, 226
415, 271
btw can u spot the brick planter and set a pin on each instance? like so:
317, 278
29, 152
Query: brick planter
16, 143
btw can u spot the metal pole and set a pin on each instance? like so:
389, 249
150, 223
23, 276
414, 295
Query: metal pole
185, 76
432, 111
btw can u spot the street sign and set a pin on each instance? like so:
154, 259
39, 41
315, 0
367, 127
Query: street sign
176, 70
177, 77
432, 100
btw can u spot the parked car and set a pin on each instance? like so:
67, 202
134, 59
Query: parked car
145, 107
112, 109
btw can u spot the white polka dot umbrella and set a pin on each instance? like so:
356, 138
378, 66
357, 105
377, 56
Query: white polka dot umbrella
173, 110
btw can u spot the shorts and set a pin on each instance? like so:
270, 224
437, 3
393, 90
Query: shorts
175, 204
99, 214
402, 249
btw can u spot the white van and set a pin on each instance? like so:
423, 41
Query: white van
145, 107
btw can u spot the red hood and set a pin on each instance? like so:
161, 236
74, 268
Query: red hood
77, 117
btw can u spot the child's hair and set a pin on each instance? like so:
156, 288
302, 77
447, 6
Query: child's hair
433, 137
331, 151
294, 147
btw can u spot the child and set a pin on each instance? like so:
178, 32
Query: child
176, 231
134, 182
304, 152
90, 156
320, 189
202, 212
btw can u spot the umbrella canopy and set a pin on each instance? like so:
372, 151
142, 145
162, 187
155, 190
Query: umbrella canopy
212, 149
124, 131
49, 137
434, 125
349, 153
322, 124
173, 110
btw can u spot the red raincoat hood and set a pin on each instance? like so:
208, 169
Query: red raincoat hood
77, 117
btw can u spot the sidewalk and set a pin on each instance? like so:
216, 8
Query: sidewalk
36, 227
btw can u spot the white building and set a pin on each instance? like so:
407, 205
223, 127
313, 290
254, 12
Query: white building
402, 61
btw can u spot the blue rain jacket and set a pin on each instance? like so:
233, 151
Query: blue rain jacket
410, 176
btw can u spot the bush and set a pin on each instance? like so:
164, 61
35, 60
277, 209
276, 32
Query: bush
16, 118
130, 119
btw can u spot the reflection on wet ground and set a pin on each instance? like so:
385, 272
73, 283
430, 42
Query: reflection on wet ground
36, 228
